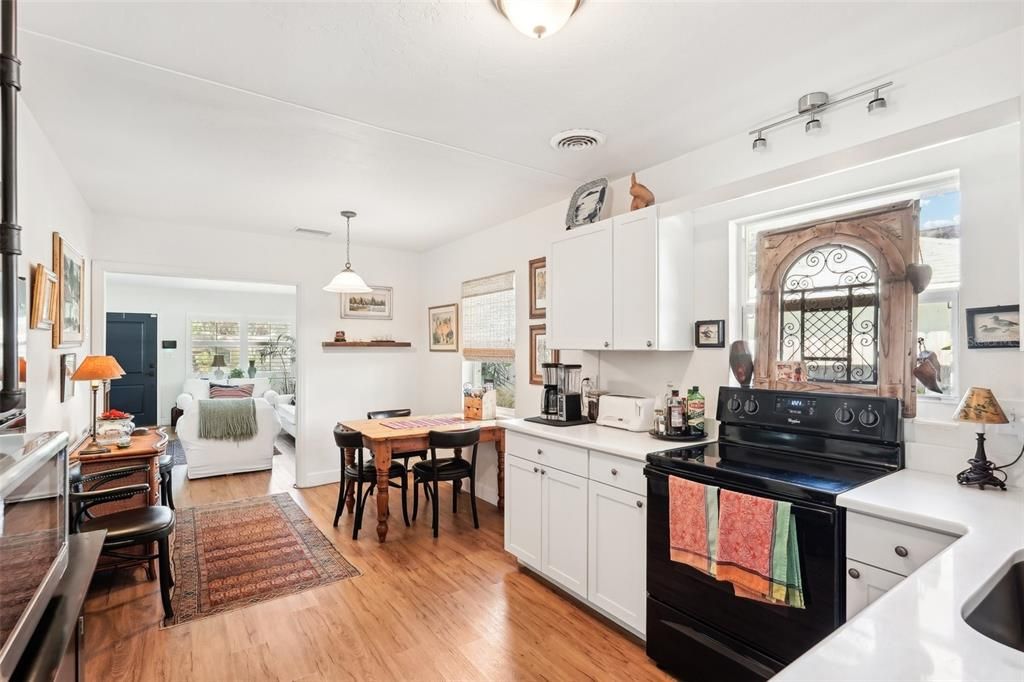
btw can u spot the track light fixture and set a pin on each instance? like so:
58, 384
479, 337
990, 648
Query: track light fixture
812, 104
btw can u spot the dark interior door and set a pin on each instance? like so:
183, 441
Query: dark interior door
131, 338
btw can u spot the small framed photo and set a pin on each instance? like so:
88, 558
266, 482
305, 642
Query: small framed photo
68, 364
709, 334
539, 352
538, 288
792, 371
44, 298
993, 327
376, 305
443, 327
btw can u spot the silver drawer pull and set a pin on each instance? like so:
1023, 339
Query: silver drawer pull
650, 343
606, 344
615, 472
901, 551
640, 504
854, 573
539, 451
535, 469
542, 472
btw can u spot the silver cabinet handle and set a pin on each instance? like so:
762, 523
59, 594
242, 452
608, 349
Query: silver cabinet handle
615, 472
535, 469
650, 343
542, 472
640, 504
854, 573
607, 343
901, 551
539, 451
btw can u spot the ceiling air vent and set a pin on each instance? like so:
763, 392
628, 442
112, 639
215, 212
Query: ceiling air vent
312, 232
577, 139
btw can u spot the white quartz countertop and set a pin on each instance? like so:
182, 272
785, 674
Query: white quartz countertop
631, 444
916, 631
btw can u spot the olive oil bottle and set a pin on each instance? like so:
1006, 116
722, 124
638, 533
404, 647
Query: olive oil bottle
695, 412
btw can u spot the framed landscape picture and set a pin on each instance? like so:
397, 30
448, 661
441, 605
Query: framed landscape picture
538, 288
69, 266
443, 328
539, 352
993, 327
376, 305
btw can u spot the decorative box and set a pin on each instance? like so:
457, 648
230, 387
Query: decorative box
480, 405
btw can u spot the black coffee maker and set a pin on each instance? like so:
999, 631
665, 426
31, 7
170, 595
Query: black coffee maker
561, 400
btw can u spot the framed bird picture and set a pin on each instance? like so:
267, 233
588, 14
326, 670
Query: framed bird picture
993, 327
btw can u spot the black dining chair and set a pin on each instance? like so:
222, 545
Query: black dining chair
391, 414
361, 471
125, 528
435, 470
166, 468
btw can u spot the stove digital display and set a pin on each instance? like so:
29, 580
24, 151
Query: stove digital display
793, 405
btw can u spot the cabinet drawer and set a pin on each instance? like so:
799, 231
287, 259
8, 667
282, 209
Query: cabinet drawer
547, 452
893, 546
618, 472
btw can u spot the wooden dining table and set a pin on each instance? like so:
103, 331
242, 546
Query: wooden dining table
388, 437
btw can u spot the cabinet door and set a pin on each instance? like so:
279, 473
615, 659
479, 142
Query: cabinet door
565, 529
580, 289
865, 584
617, 557
523, 510
635, 280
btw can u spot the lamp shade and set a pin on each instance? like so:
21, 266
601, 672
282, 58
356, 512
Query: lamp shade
538, 18
979, 405
218, 361
347, 282
98, 368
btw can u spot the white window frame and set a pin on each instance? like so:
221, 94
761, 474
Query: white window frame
743, 229
501, 412
243, 332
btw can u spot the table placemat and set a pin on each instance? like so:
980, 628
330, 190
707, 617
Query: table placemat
424, 423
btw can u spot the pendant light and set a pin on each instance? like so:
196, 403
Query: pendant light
347, 281
538, 18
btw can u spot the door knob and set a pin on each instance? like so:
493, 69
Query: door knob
854, 573
901, 551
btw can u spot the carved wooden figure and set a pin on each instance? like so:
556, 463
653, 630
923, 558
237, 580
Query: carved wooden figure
642, 197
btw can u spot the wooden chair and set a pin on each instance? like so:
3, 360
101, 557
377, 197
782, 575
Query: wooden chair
436, 470
166, 467
125, 528
364, 471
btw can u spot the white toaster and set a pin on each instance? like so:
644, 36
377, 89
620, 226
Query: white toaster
628, 412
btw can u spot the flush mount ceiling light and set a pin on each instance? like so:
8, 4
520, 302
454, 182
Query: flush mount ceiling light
537, 18
347, 281
812, 104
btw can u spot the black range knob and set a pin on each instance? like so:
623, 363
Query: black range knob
868, 418
844, 415
750, 406
734, 404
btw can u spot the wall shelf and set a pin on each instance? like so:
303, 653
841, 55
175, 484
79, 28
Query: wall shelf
366, 344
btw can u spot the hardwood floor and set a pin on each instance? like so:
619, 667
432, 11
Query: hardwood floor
454, 608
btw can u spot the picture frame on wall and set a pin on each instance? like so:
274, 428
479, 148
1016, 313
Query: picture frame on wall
44, 298
443, 328
68, 364
709, 334
538, 288
539, 352
69, 266
993, 327
376, 305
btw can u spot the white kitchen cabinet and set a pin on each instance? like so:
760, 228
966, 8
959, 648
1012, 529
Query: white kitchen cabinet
580, 288
617, 553
623, 284
564, 534
866, 583
523, 528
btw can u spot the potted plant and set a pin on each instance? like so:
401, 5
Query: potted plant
281, 349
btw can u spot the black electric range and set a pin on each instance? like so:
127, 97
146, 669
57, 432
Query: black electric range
804, 448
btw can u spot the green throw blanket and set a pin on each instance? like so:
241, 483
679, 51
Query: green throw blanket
227, 419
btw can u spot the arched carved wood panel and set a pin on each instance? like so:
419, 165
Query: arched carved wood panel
888, 236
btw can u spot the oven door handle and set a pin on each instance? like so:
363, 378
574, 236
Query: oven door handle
750, 664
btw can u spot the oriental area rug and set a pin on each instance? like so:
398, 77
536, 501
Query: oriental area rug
233, 554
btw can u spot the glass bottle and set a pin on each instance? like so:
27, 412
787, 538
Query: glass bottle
659, 422
676, 417
695, 411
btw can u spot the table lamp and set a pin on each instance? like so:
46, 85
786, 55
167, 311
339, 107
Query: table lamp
96, 369
218, 362
980, 406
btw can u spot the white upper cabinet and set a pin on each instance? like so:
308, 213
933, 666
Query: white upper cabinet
623, 284
580, 289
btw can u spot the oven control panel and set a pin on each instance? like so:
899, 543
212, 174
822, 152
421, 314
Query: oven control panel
822, 413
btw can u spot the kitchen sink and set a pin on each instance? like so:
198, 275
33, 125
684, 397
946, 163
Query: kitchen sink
1000, 615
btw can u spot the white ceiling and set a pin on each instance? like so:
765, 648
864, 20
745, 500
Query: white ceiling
132, 280
431, 119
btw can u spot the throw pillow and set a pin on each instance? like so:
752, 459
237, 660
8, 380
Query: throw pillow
222, 391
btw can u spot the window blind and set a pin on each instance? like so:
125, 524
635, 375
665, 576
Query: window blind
489, 318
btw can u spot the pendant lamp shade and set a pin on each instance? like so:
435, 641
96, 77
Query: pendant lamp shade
347, 281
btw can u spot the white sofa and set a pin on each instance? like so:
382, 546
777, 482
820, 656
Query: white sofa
219, 457
284, 405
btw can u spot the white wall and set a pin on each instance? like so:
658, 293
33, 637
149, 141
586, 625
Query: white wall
173, 307
48, 202
332, 385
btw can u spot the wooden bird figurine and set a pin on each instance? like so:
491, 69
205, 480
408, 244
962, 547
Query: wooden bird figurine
642, 197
